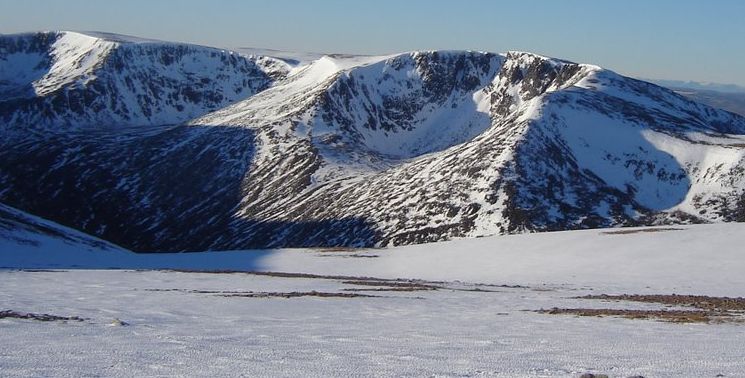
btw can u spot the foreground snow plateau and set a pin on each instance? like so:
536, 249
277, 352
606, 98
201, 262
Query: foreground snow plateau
461, 308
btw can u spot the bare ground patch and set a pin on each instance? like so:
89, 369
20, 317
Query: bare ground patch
347, 255
388, 289
644, 230
703, 302
708, 309
297, 294
39, 317
674, 316
267, 294
379, 284
341, 249
393, 285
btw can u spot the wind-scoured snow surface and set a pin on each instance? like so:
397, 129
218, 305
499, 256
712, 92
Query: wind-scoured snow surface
479, 322
168, 147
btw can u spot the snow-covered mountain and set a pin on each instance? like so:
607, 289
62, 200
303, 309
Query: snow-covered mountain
69, 79
360, 150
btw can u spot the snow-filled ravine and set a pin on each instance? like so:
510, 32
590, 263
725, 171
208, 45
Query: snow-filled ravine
459, 308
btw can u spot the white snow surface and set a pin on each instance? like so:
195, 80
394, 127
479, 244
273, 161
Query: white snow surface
179, 324
190, 329
663, 258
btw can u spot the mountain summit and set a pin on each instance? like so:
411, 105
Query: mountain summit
162, 147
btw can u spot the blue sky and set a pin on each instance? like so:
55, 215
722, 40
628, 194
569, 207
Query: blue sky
664, 39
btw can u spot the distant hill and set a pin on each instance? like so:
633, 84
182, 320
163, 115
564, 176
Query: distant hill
699, 86
729, 97
731, 102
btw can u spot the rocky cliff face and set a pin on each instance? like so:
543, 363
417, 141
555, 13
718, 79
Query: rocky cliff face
363, 151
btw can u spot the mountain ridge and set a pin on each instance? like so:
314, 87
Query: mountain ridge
62, 79
388, 150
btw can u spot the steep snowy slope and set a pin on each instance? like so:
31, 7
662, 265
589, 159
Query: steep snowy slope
55, 80
399, 149
163, 188
26, 241
621, 151
30, 242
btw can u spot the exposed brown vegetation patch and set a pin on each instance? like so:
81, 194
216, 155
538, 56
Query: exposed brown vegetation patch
346, 278
412, 285
626, 232
297, 294
351, 256
39, 317
703, 302
480, 290
389, 289
708, 309
264, 294
341, 249
368, 284
675, 316
285, 275
419, 285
